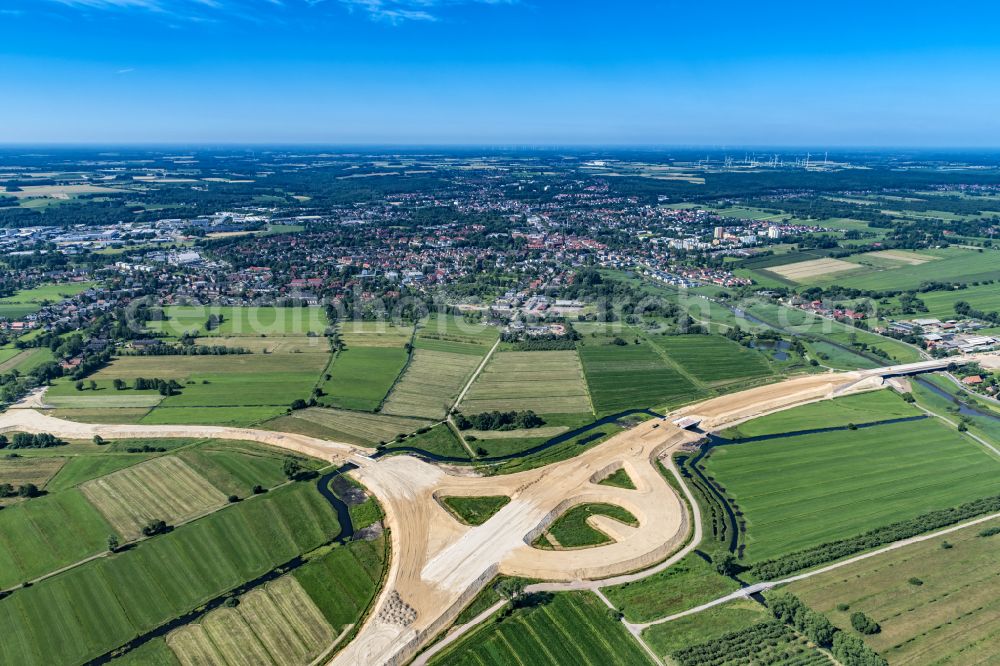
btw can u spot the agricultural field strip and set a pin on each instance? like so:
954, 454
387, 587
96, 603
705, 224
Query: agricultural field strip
671, 362
544, 382
430, 384
164, 488
372, 427
140, 592
36, 470
767, 585
953, 605
713, 360
276, 624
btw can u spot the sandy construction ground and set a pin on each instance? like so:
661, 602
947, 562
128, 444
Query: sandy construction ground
29, 420
439, 565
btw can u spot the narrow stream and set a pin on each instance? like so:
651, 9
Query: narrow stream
963, 408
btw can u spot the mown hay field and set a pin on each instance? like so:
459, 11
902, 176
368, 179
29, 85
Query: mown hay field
632, 376
95, 607
275, 624
348, 426
806, 271
801, 491
546, 382
164, 488
571, 629
714, 359
37, 470
430, 383
951, 617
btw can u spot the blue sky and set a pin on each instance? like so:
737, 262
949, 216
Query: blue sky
505, 72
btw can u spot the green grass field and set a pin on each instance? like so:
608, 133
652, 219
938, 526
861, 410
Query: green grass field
18, 311
705, 626
25, 360
690, 582
861, 408
542, 381
439, 440
632, 376
80, 614
475, 510
431, 383
713, 359
571, 530
572, 629
802, 491
226, 390
618, 479
241, 321
236, 467
48, 292
343, 581
83, 468
941, 304
448, 328
951, 617
47, 533
360, 377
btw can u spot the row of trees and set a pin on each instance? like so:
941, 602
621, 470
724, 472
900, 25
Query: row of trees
27, 440
188, 350
497, 420
849, 650
26, 490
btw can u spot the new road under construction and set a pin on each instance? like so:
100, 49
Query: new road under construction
438, 564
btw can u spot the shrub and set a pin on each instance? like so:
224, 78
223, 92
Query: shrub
154, 527
864, 624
